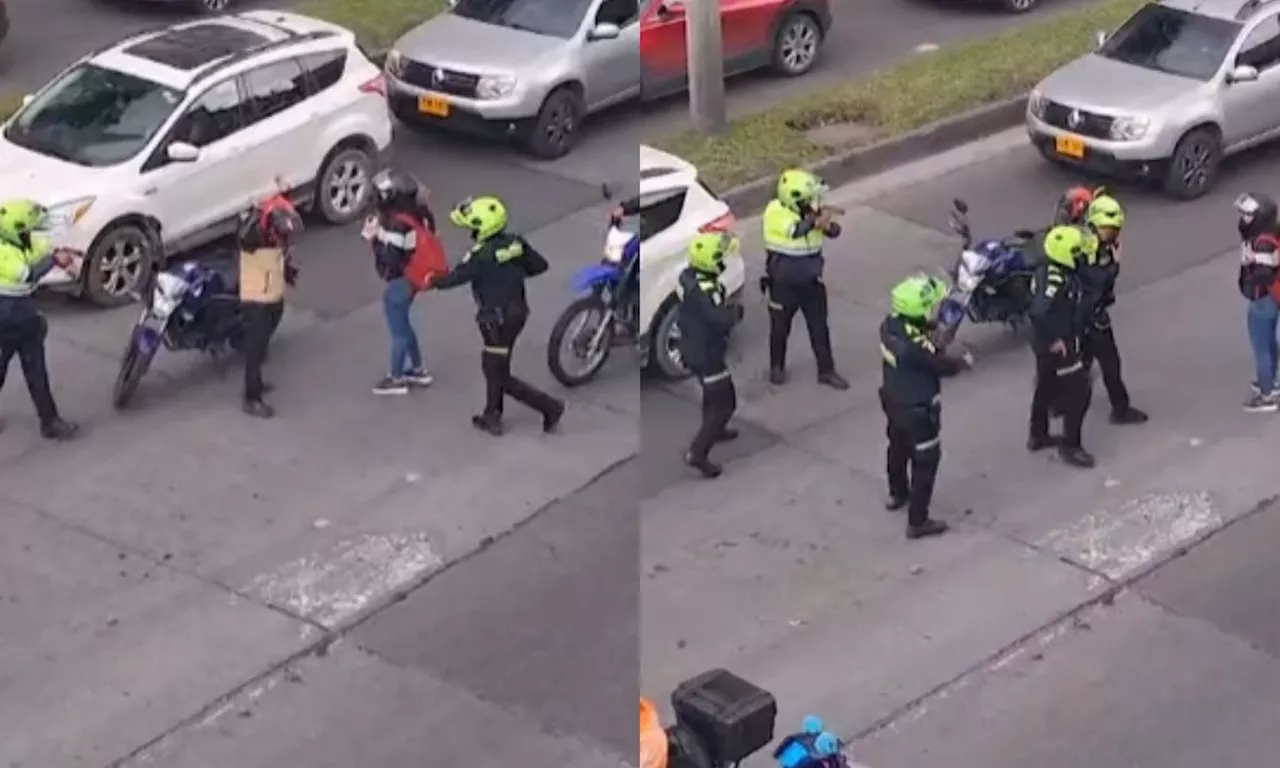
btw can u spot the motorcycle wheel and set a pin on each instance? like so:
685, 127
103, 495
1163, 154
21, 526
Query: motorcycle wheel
574, 329
132, 368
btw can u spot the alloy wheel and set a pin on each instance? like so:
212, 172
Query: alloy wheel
347, 188
799, 45
214, 6
1194, 165
561, 125
121, 265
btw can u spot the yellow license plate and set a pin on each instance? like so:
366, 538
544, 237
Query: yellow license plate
434, 106
1069, 146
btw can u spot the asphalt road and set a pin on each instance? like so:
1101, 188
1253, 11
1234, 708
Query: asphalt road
1113, 618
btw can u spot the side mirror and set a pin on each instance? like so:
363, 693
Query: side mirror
28, 99
182, 152
1024, 234
670, 10
1100, 37
1242, 74
961, 206
604, 32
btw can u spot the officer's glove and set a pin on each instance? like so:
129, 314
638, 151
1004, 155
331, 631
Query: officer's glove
832, 230
290, 274
765, 285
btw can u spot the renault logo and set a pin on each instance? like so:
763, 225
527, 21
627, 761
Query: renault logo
437, 76
1073, 120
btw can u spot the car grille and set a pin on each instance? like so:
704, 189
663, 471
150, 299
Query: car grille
438, 79
1087, 124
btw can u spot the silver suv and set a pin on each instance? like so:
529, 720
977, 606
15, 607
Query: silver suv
1179, 86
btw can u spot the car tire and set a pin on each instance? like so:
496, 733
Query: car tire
1019, 6
344, 186
1193, 166
556, 129
796, 45
118, 265
665, 358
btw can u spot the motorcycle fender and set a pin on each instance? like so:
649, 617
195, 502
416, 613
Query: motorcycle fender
147, 337
588, 278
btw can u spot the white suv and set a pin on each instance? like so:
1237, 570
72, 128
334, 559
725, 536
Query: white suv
156, 144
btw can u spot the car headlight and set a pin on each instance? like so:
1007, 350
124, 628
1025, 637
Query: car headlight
394, 63
67, 214
495, 86
1129, 128
1035, 105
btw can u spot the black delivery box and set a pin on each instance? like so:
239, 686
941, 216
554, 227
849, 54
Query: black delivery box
732, 717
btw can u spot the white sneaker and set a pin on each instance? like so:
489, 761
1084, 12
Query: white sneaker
419, 378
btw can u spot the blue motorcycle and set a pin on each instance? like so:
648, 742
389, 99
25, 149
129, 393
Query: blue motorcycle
605, 313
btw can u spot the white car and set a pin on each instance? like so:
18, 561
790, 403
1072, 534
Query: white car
156, 144
674, 207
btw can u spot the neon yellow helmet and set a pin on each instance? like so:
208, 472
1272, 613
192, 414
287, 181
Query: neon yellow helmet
918, 297
798, 186
1066, 245
20, 218
484, 216
708, 251
1105, 211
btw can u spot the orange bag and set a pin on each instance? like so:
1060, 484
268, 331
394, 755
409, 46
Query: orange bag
429, 259
653, 739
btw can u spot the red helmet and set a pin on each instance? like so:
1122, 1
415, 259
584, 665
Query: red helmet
272, 223
1074, 203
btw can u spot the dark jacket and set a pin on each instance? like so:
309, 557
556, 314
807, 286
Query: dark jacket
394, 242
496, 270
1098, 283
706, 320
913, 366
1059, 310
1256, 276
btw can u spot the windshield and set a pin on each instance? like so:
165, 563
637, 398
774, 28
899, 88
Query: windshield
1172, 41
94, 117
555, 18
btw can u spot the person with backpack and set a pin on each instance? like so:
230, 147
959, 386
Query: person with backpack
1259, 228
406, 254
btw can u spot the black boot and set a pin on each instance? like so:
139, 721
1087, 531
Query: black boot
258, 409
488, 422
1128, 415
728, 434
704, 465
833, 380
58, 429
1076, 456
927, 528
895, 503
1040, 442
777, 376
551, 419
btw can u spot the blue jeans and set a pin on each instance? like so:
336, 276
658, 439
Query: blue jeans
405, 353
1263, 314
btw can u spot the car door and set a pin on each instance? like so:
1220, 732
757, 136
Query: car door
747, 29
612, 67
1252, 110
281, 135
191, 196
664, 61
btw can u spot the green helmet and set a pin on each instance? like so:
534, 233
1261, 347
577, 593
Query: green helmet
918, 297
19, 218
1105, 211
707, 252
484, 216
1065, 245
798, 186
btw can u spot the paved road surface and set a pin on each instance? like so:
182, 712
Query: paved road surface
1074, 618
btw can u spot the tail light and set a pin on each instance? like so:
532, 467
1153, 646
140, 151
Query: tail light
719, 224
377, 85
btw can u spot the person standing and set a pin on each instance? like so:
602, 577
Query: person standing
496, 267
796, 225
26, 257
1259, 230
911, 397
706, 319
265, 235
1058, 313
403, 228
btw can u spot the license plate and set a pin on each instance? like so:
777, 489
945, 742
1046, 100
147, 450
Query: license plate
1069, 146
434, 106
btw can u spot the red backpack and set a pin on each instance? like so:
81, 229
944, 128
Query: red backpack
428, 260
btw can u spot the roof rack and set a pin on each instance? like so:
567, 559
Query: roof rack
1251, 7
230, 61
277, 27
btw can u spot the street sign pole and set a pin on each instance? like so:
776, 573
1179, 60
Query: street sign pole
706, 65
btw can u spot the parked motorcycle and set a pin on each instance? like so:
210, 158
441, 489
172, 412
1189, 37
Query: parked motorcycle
991, 279
194, 308
606, 312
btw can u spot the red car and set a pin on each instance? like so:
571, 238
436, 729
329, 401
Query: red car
782, 34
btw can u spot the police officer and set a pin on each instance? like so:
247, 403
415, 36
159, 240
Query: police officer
1105, 219
26, 257
1058, 315
706, 319
795, 228
496, 267
911, 397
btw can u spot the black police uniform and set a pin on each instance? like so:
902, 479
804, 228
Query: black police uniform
706, 319
496, 269
1059, 312
911, 397
23, 331
1099, 342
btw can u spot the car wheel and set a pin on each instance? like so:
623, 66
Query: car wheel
1019, 6
118, 265
795, 48
1193, 168
555, 130
665, 347
343, 185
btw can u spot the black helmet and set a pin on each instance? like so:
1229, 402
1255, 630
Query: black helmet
396, 190
1258, 215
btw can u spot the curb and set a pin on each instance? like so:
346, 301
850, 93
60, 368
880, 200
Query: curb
751, 198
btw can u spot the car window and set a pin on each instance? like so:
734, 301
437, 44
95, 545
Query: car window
325, 69
618, 12
274, 88
1172, 41
659, 214
1261, 47
94, 117
554, 18
214, 116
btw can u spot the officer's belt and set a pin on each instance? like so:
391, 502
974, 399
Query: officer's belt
715, 377
793, 251
1070, 369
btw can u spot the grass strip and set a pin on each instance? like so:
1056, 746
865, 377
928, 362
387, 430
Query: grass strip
377, 23
9, 103
923, 90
